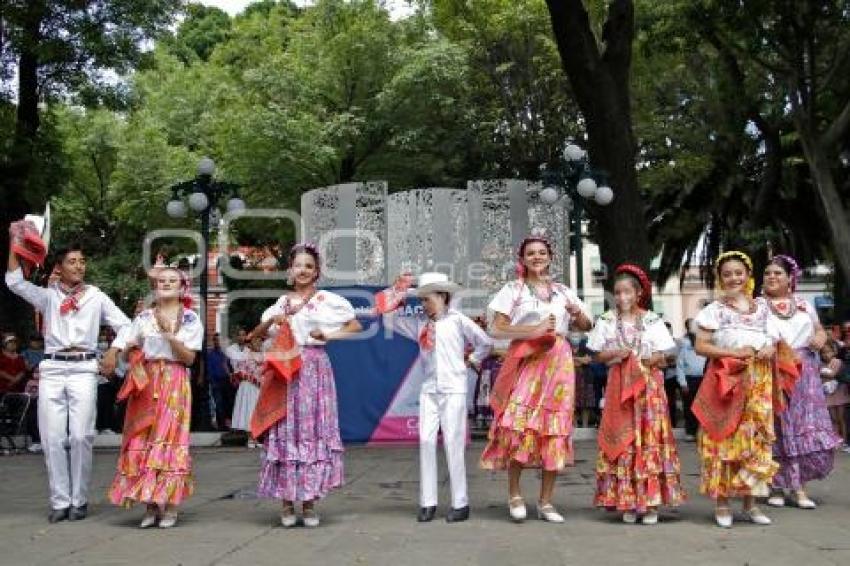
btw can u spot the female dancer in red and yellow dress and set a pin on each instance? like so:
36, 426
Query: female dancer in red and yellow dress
735, 403
533, 399
638, 468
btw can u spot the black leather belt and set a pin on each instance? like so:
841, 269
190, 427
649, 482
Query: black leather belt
71, 356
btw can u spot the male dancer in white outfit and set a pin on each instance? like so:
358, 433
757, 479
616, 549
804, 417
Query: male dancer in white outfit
67, 392
442, 334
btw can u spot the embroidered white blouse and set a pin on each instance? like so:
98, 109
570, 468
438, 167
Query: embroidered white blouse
733, 329
324, 311
516, 301
146, 334
654, 338
798, 330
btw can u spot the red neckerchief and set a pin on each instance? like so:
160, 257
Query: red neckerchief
427, 338
71, 302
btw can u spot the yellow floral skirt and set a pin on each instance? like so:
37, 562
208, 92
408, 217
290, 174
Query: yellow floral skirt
742, 464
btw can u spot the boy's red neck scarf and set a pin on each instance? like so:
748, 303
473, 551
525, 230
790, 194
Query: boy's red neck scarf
73, 294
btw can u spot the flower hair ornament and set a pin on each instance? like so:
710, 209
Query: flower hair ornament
790, 266
643, 281
308, 248
743, 258
536, 235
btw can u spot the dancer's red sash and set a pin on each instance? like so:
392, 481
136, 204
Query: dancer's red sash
720, 401
282, 363
787, 369
626, 380
136, 390
508, 375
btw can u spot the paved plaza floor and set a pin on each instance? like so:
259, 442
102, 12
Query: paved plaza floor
371, 521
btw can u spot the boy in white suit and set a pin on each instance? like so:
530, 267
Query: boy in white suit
443, 334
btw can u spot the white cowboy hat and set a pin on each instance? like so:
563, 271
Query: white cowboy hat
433, 282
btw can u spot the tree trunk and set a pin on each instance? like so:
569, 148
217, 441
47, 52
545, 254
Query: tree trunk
836, 215
601, 86
15, 171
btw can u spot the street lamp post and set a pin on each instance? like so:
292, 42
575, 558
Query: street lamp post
571, 179
203, 194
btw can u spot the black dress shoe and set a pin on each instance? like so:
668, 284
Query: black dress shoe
426, 514
457, 515
78, 513
57, 515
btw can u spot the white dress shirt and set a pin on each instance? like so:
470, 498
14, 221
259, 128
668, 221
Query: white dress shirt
78, 329
444, 365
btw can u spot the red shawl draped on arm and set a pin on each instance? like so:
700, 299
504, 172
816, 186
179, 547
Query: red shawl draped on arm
508, 375
282, 363
136, 390
722, 396
786, 371
626, 380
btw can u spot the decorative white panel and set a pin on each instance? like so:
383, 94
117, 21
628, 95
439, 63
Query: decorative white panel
350, 223
428, 231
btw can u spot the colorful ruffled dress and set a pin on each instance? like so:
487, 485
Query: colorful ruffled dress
535, 428
303, 453
646, 474
154, 465
805, 440
742, 464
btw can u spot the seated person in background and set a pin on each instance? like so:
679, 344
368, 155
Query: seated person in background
34, 353
13, 369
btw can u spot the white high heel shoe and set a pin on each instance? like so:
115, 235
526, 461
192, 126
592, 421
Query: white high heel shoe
149, 520
516, 507
311, 518
288, 518
724, 517
803, 502
547, 512
168, 520
755, 515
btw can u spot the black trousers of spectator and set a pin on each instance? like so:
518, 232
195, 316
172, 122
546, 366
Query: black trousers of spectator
691, 423
201, 415
600, 381
106, 410
31, 420
223, 397
671, 388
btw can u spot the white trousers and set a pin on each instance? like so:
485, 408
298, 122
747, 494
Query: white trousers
67, 407
446, 411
